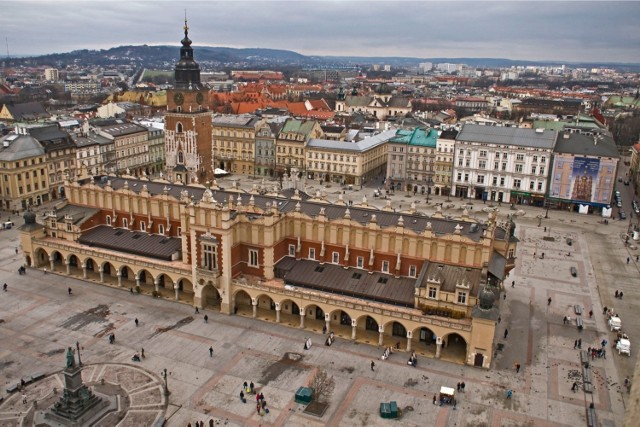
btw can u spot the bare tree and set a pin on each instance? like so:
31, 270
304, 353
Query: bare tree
322, 385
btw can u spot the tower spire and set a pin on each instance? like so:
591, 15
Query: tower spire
186, 27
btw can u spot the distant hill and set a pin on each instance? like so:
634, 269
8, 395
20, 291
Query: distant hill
166, 56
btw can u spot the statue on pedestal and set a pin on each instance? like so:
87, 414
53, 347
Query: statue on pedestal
71, 360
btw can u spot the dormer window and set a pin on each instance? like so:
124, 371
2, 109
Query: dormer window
109, 220
160, 229
125, 222
462, 297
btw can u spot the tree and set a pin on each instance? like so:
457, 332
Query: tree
322, 385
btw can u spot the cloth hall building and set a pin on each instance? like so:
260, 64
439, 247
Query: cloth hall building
376, 276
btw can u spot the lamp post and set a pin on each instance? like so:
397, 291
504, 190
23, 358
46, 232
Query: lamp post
166, 387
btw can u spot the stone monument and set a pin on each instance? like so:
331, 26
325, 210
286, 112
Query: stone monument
77, 405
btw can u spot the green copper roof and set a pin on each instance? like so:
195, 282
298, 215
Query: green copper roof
418, 136
298, 126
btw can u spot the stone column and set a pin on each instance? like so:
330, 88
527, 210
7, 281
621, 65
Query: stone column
327, 321
381, 335
68, 265
51, 264
84, 271
119, 274
137, 280
278, 310
254, 304
409, 337
101, 274
354, 324
176, 288
438, 347
302, 317
156, 284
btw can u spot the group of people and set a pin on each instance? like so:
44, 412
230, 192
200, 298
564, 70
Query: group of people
137, 356
330, 339
413, 360
22, 270
387, 353
619, 294
261, 403
112, 338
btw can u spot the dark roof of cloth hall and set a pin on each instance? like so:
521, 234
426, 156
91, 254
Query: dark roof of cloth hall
133, 242
333, 278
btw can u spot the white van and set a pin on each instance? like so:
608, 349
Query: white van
7, 225
624, 346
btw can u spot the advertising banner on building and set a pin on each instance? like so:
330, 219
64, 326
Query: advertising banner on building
583, 179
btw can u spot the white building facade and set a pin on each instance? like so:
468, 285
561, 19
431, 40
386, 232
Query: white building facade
502, 164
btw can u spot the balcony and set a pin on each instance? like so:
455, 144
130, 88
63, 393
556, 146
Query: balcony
206, 274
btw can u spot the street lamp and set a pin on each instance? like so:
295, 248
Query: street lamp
166, 387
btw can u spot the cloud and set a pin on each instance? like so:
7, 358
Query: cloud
563, 31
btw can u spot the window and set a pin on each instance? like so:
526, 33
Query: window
143, 226
125, 222
385, 266
412, 271
502, 181
535, 159
495, 166
292, 250
466, 177
459, 176
541, 170
482, 164
462, 297
160, 229
543, 159
109, 220
516, 183
504, 155
483, 153
480, 179
533, 169
335, 257
253, 258
504, 166
540, 186
433, 292
519, 168
209, 257
360, 262
520, 158
69, 227
312, 253
532, 185
495, 180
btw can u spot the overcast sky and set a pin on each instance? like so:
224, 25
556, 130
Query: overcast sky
562, 31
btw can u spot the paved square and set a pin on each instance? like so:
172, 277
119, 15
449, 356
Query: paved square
38, 320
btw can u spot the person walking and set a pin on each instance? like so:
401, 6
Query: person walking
575, 344
197, 311
24, 398
574, 387
628, 260
69, 290
136, 321
579, 342
462, 386
513, 284
142, 352
506, 332
206, 319
211, 351
564, 320
373, 365
549, 301
590, 314
517, 367
4, 287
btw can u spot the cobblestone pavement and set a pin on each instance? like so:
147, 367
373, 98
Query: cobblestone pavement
38, 319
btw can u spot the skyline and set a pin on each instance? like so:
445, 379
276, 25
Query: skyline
603, 31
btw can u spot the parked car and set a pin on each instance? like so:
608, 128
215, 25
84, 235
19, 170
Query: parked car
626, 183
574, 271
619, 203
622, 214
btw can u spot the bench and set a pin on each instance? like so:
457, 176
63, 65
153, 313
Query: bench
579, 323
37, 376
586, 374
578, 309
587, 387
584, 357
591, 417
12, 388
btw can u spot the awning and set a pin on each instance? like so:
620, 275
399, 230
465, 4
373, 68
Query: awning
447, 390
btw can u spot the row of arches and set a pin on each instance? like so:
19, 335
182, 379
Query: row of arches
127, 276
354, 325
361, 327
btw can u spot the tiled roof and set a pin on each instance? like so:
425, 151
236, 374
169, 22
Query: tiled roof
133, 242
576, 143
351, 282
19, 147
27, 111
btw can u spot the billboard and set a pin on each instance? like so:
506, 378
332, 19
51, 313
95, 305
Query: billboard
583, 179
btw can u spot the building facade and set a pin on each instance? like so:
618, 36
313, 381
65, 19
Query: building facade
444, 162
411, 160
583, 172
502, 164
291, 142
130, 145
234, 143
25, 176
266, 148
348, 163
375, 276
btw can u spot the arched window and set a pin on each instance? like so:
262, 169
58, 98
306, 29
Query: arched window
179, 127
180, 157
108, 219
160, 229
